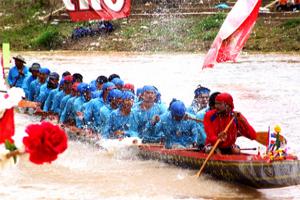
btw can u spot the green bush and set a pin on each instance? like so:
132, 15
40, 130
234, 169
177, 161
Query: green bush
209, 35
207, 28
291, 23
49, 39
211, 22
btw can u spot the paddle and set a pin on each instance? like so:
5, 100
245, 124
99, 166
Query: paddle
248, 149
262, 137
28, 104
213, 149
188, 117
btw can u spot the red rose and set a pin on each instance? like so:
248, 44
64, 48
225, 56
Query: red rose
44, 142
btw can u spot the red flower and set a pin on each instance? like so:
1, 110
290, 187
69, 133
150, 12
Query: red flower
44, 142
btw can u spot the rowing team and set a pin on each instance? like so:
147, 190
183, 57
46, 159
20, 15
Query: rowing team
111, 108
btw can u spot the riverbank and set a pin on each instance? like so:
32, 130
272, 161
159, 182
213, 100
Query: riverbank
161, 33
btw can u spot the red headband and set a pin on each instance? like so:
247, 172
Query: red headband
226, 98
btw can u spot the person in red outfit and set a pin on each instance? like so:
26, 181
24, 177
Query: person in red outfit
215, 122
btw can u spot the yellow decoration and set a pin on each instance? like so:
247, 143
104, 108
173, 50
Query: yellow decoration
277, 129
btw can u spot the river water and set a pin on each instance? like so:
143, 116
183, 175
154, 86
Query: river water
265, 89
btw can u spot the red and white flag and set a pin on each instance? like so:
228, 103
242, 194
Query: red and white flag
85, 10
234, 33
7, 125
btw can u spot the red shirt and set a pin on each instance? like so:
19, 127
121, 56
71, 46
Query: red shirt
214, 124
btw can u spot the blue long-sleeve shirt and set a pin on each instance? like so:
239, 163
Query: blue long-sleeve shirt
78, 108
26, 84
92, 112
119, 122
43, 94
142, 117
200, 115
64, 102
178, 133
15, 78
34, 89
56, 101
49, 100
102, 119
68, 113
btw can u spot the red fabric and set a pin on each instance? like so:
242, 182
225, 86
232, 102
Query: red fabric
44, 142
68, 78
226, 98
129, 86
213, 127
7, 126
234, 33
97, 10
75, 85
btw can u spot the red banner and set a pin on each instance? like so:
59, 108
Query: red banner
85, 10
234, 33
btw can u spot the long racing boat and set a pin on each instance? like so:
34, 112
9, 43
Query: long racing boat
251, 170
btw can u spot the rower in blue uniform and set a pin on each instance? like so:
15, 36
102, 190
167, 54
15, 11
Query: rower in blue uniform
67, 84
200, 101
35, 85
68, 114
121, 122
92, 112
177, 131
118, 83
50, 98
67, 91
146, 109
34, 70
85, 96
114, 97
18, 73
46, 89
99, 83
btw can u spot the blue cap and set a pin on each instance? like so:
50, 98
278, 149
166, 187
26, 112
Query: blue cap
177, 108
92, 86
114, 94
61, 82
118, 81
101, 79
83, 87
93, 82
35, 67
107, 85
148, 88
54, 75
44, 70
201, 90
127, 95
158, 97
139, 91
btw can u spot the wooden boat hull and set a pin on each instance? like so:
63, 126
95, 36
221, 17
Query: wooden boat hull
251, 170
247, 169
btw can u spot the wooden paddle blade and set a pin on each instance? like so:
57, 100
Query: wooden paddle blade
263, 136
28, 104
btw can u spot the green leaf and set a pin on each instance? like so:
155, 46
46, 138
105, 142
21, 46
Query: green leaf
10, 146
